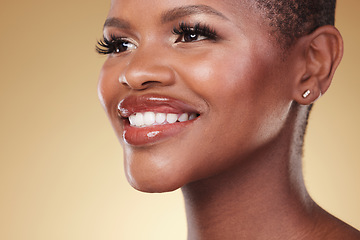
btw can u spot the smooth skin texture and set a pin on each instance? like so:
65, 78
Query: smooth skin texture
239, 163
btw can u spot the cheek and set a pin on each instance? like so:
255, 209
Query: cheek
242, 91
225, 74
110, 90
110, 93
235, 81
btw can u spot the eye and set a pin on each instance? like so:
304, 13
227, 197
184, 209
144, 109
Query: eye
198, 32
114, 46
122, 46
190, 37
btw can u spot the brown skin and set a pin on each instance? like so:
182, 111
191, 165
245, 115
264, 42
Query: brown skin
238, 164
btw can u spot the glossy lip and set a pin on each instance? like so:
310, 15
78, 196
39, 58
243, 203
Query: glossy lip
152, 103
138, 136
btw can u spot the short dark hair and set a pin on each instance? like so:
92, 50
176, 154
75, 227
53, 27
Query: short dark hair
292, 19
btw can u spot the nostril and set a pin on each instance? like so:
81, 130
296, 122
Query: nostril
149, 83
125, 84
142, 77
142, 85
122, 80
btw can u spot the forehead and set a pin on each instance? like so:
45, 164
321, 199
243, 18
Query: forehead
235, 10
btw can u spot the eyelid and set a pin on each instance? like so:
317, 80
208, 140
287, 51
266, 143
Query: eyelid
124, 34
114, 37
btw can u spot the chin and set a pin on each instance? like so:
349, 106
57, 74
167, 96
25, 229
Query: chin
152, 180
158, 185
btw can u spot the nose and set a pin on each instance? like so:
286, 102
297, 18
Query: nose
147, 68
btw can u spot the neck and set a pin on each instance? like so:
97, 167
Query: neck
261, 198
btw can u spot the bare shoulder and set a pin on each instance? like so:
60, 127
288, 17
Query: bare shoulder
344, 231
333, 228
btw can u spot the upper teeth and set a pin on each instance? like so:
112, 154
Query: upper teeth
151, 118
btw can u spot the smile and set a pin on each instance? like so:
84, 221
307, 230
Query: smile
147, 119
152, 118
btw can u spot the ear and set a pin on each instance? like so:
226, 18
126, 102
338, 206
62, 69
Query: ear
323, 52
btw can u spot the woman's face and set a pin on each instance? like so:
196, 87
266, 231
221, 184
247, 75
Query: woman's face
210, 60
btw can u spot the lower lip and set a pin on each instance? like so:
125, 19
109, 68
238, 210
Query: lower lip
139, 136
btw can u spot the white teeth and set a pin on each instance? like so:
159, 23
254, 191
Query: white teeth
151, 118
160, 118
183, 117
132, 120
192, 116
171, 117
139, 119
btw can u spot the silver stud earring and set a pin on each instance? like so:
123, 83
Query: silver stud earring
306, 94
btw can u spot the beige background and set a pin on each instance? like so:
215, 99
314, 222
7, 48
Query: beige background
61, 174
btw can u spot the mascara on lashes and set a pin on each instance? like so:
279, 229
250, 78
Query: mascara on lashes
197, 29
112, 45
117, 44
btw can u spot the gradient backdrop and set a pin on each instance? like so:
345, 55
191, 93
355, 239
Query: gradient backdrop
61, 173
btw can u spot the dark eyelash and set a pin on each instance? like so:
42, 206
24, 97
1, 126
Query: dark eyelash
198, 28
107, 46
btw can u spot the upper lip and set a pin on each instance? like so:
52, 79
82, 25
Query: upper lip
152, 103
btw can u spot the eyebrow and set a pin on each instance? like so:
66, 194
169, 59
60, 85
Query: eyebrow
117, 23
180, 12
169, 15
